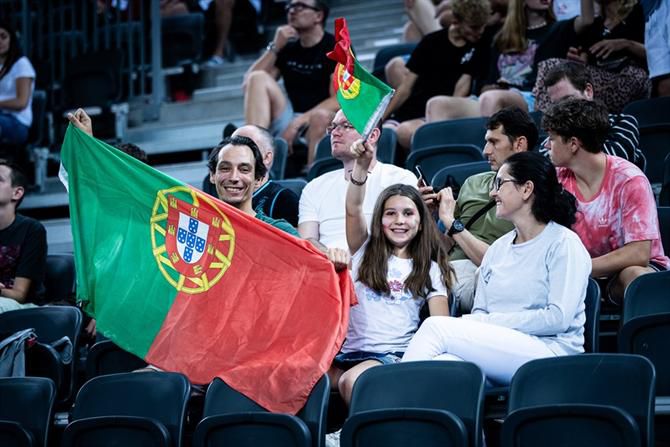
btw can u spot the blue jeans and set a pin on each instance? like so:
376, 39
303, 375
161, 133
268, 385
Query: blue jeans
11, 130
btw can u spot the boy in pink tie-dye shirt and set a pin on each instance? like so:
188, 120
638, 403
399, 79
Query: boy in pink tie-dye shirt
616, 213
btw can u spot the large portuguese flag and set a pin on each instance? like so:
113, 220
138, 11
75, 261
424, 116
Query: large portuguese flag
193, 285
362, 97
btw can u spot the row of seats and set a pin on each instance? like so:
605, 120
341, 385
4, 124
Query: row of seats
585, 400
645, 330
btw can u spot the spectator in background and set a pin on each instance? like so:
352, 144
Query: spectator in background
23, 245
17, 82
450, 73
322, 203
572, 80
298, 55
612, 48
530, 34
423, 19
532, 282
470, 220
269, 197
617, 219
657, 43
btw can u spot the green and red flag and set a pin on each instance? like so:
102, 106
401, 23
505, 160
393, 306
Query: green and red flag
362, 97
193, 285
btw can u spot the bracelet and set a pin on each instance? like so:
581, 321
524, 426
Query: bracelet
272, 48
356, 182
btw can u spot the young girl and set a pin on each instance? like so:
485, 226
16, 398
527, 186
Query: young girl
17, 79
532, 282
399, 266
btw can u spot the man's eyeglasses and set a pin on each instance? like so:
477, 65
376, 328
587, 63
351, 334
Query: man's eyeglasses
498, 182
345, 126
299, 6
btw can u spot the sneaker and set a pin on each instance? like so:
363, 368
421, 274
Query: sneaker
229, 129
214, 61
333, 439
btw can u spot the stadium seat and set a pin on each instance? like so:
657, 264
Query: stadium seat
384, 55
279, 160
497, 397
460, 131
26, 407
322, 166
581, 400
294, 184
654, 145
232, 419
183, 35
59, 281
93, 82
646, 329
105, 357
664, 197
409, 403
386, 147
650, 111
55, 357
433, 158
129, 409
459, 173
664, 225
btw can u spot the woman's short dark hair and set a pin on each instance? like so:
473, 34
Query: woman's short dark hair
259, 168
551, 201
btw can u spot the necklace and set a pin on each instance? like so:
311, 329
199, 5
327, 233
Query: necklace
536, 26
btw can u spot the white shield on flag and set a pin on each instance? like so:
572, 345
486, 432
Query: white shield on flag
191, 238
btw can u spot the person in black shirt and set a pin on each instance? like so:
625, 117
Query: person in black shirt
23, 245
298, 55
443, 63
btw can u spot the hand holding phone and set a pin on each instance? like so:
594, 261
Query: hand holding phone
422, 176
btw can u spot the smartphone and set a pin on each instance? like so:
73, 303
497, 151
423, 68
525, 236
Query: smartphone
422, 177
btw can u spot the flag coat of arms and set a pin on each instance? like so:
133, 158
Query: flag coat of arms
193, 285
362, 97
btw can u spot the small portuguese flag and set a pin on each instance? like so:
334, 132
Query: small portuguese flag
362, 97
193, 285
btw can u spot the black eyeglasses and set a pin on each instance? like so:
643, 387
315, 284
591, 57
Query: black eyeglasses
299, 6
345, 126
498, 182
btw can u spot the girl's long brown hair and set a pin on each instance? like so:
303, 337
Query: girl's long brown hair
427, 246
512, 36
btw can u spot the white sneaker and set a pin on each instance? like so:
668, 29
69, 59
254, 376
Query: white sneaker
214, 61
333, 439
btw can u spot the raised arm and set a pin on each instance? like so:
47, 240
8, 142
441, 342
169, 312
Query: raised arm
585, 17
356, 226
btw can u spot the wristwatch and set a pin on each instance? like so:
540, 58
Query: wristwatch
456, 227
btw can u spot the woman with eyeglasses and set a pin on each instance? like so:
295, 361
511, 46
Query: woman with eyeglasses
532, 282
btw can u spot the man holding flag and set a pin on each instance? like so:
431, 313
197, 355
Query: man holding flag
196, 286
363, 99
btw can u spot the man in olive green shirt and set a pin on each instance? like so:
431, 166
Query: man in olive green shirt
509, 131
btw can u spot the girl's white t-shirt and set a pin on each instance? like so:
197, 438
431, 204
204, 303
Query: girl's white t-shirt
382, 323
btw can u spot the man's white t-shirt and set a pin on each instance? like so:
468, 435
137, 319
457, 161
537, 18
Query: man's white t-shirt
323, 200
